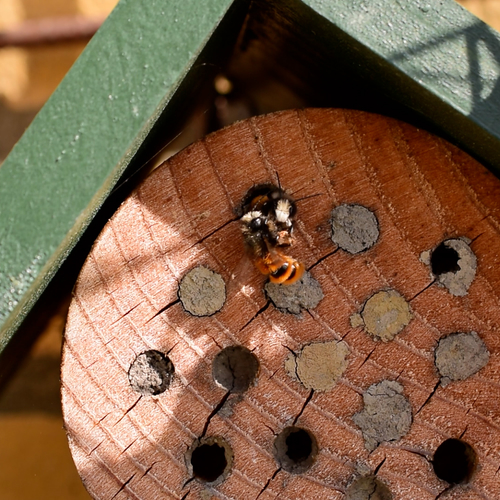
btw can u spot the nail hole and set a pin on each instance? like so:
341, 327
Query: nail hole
235, 368
295, 449
151, 373
454, 461
444, 259
211, 459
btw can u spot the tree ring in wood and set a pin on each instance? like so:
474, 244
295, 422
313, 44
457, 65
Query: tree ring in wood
295, 449
151, 373
210, 459
454, 461
354, 228
202, 291
235, 368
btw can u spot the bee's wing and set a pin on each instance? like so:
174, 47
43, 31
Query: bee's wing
245, 278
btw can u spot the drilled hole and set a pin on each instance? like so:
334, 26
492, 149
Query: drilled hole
210, 459
444, 259
295, 449
454, 461
151, 373
235, 368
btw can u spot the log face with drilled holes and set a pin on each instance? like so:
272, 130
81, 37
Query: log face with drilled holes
145, 417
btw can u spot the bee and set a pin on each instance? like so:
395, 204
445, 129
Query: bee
267, 227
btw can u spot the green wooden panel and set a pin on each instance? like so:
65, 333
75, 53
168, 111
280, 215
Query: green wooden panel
434, 57
81, 142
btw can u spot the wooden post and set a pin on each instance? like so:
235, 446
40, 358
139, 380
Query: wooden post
394, 349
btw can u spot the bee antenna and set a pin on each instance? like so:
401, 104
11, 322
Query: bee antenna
310, 196
278, 177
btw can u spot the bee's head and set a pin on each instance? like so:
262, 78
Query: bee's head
253, 222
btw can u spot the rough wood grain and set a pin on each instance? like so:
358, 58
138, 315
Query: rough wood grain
422, 191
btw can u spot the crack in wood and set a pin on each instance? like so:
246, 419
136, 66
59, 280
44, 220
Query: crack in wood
367, 358
268, 482
149, 469
270, 428
214, 412
475, 238
186, 483
162, 310
123, 486
214, 341
418, 453
201, 240
464, 431
309, 397
127, 411
94, 448
429, 397
423, 290
125, 449
375, 472
258, 313
103, 417
274, 373
448, 488
321, 259
127, 313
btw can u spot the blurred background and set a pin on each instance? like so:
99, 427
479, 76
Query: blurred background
39, 41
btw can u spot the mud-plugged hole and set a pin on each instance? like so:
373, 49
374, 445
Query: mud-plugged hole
454, 461
459, 356
151, 373
210, 459
444, 259
368, 488
295, 449
354, 228
235, 368
305, 294
202, 292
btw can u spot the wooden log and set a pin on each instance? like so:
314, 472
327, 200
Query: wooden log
393, 350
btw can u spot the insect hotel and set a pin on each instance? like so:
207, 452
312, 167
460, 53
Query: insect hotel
303, 302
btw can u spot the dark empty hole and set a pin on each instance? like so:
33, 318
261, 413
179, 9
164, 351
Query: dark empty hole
444, 259
235, 368
299, 446
151, 373
295, 449
209, 462
454, 461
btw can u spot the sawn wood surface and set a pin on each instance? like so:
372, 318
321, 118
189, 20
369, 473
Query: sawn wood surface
422, 190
